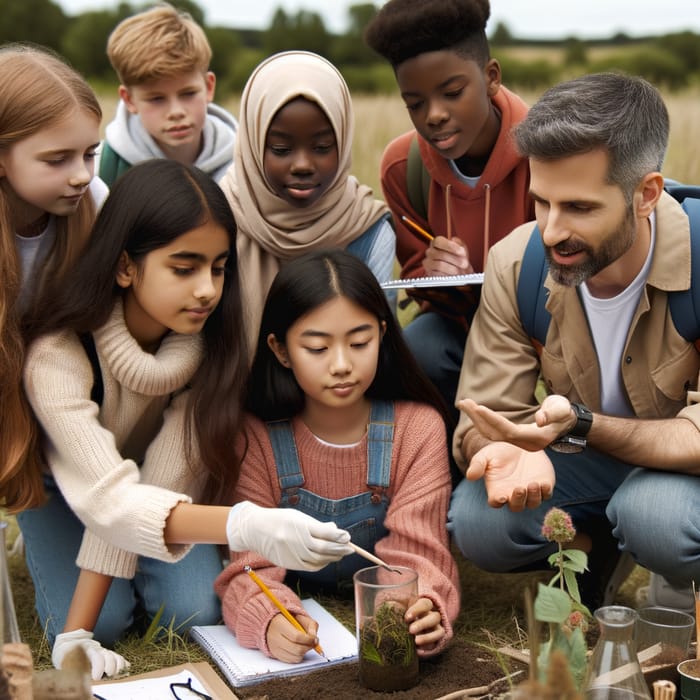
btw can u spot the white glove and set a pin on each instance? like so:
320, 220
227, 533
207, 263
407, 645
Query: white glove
285, 536
102, 661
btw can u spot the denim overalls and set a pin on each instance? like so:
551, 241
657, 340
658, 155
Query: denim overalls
361, 515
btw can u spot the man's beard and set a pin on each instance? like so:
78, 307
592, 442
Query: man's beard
613, 246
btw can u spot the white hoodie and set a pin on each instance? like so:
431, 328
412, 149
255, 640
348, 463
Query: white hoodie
127, 136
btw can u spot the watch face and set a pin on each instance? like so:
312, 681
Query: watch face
569, 444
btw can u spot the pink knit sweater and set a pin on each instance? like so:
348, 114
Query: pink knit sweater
419, 496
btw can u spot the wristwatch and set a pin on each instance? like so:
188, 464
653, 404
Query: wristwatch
575, 440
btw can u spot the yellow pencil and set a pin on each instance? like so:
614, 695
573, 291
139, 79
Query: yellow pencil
418, 229
448, 213
279, 605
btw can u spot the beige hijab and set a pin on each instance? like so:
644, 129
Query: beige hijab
270, 231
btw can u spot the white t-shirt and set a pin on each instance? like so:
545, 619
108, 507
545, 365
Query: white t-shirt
609, 321
33, 250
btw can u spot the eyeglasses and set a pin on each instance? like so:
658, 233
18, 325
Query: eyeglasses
185, 691
180, 691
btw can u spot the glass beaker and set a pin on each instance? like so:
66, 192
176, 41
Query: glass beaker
8, 621
614, 672
387, 652
662, 636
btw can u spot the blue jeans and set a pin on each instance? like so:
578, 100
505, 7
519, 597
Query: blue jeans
52, 536
496, 539
655, 516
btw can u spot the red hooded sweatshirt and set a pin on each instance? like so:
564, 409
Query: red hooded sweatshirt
480, 216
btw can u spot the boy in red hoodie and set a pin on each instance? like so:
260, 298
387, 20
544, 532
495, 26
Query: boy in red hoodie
462, 117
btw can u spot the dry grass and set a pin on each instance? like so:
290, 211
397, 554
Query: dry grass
378, 119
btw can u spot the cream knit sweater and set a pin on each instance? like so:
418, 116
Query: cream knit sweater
94, 452
419, 494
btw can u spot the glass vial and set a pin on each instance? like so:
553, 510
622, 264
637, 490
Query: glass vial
8, 621
614, 672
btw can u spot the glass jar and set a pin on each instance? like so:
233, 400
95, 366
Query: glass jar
8, 621
387, 654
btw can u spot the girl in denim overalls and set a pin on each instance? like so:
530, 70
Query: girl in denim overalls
344, 427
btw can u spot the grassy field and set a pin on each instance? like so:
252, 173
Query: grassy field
491, 604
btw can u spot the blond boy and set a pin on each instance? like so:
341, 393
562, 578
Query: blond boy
161, 57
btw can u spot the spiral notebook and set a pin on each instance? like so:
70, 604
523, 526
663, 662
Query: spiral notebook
444, 281
245, 667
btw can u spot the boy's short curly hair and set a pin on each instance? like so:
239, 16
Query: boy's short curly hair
402, 29
157, 43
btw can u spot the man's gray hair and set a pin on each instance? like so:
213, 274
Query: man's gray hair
622, 114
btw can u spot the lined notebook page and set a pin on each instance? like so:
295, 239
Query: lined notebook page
248, 666
444, 281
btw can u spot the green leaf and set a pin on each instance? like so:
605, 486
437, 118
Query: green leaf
577, 657
552, 604
154, 627
572, 585
370, 652
575, 559
553, 560
582, 608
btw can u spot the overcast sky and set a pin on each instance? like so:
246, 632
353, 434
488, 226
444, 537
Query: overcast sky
550, 19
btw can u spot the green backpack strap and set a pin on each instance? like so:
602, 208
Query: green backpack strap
112, 165
417, 180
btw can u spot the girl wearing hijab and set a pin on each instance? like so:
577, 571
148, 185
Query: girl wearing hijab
290, 185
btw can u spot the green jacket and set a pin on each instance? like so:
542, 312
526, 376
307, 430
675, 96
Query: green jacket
112, 165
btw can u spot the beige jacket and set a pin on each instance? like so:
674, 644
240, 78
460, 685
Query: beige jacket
659, 368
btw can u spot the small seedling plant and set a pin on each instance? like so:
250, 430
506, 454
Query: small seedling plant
385, 639
558, 603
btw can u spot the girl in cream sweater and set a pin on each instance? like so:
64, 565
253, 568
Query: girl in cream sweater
141, 432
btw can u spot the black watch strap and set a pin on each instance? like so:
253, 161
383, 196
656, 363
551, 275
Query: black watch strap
584, 420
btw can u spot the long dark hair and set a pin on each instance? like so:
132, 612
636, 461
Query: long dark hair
303, 285
150, 206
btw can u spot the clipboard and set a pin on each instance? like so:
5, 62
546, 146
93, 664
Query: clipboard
201, 670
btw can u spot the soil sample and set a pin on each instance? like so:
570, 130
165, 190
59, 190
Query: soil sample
663, 666
387, 653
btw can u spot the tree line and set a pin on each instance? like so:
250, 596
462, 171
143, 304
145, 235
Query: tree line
671, 61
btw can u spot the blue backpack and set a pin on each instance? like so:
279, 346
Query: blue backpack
684, 305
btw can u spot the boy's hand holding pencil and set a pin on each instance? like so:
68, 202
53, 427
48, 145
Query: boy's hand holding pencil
445, 255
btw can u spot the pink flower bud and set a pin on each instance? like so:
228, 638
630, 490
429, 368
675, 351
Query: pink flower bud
557, 526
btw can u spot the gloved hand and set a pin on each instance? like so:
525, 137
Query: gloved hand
102, 661
285, 536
